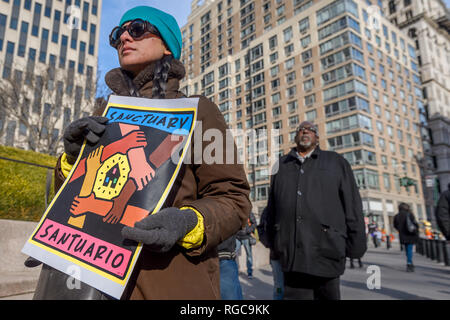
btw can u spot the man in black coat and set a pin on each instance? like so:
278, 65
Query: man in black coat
314, 218
443, 213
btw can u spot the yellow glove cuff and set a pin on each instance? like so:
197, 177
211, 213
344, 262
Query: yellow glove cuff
65, 165
195, 237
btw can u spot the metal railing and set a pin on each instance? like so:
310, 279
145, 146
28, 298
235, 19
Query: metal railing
437, 250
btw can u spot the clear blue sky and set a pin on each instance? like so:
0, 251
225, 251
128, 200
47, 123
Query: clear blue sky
113, 10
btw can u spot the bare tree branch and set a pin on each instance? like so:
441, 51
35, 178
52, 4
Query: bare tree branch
41, 103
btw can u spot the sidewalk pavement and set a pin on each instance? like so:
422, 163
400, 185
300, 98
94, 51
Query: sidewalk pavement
430, 281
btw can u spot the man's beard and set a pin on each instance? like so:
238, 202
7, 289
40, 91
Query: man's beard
305, 143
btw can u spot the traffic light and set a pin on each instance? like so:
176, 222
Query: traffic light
406, 182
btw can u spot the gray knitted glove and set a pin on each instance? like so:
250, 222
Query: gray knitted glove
160, 231
90, 128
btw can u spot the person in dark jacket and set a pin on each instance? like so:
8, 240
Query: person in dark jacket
443, 213
230, 287
243, 238
407, 238
315, 218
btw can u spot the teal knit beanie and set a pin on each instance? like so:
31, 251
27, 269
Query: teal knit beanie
165, 23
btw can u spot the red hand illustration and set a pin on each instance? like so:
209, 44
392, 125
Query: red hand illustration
135, 139
118, 209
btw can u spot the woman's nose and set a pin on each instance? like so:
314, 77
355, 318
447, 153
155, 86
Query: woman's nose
125, 37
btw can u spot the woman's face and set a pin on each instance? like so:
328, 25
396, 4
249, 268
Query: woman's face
136, 54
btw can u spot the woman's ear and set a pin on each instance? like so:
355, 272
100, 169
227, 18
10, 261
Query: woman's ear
167, 52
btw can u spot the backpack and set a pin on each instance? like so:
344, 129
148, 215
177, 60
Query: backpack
410, 226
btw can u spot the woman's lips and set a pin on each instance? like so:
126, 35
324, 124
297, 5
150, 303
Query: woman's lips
126, 50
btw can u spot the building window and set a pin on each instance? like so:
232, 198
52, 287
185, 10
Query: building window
44, 45
366, 178
23, 39
339, 41
27, 5
306, 55
289, 64
81, 57
36, 19
288, 34
84, 21
305, 41
392, 7
336, 8
311, 115
338, 25
74, 39
310, 99
48, 8
63, 51
56, 26
8, 60
303, 25
15, 15
351, 140
94, 8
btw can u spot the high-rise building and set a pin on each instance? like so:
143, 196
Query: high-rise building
271, 64
48, 68
427, 23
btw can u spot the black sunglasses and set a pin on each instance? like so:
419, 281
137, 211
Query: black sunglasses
310, 129
136, 29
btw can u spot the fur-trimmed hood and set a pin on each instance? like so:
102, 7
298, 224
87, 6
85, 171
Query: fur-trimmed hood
121, 81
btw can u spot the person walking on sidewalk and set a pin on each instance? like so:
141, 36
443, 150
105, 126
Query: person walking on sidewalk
244, 238
409, 235
314, 218
230, 287
443, 213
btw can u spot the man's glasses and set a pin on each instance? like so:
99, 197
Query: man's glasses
136, 29
310, 129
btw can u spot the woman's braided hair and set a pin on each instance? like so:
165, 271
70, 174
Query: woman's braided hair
160, 76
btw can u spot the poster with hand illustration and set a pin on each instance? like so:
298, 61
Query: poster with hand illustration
115, 183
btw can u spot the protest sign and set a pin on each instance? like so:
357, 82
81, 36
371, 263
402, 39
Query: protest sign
114, 183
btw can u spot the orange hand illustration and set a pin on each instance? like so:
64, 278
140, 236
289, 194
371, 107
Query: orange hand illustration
93, 160
141, 172
90, 204
92, 165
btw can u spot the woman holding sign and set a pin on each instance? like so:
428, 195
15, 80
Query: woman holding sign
208, 201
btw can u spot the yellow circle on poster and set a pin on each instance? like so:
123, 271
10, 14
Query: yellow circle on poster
111, 177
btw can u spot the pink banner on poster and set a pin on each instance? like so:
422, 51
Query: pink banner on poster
91, 250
